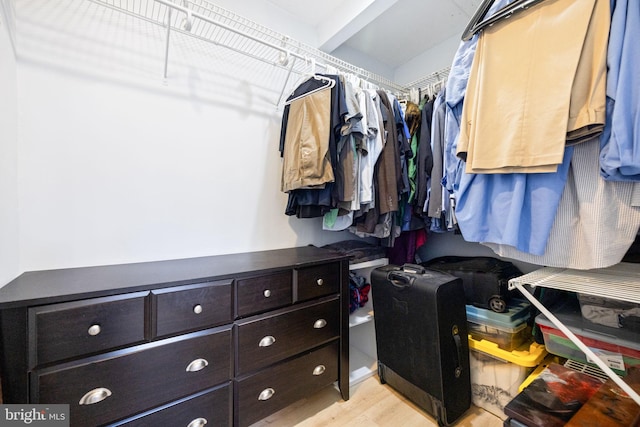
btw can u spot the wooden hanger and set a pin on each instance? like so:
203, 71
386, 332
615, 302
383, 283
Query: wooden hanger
476, 24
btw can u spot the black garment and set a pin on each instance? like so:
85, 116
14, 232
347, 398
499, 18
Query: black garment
388, 168
425, 157
404, 150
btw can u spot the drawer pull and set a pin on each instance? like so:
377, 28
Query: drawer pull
197, 309
94, 396
319, 324
267, 293
198, 422
94, 330
267, 341
319, 370
320, 282
197, 365
266, 394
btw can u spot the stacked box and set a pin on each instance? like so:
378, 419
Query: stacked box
496, 374
502, 355
508, 330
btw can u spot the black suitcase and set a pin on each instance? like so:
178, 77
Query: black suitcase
421, 338
485, 279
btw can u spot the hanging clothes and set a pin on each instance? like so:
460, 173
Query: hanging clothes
307, 162
315, 202
496, 208
620, 142
436, 206
537, 83
425, 156
596, 221
372, 148
389, 168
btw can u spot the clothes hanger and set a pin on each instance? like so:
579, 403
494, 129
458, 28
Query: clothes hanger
328, 83
476, 24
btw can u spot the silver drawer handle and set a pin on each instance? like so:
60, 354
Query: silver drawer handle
94, 330
197, 309
198, 422
319, 324
197, 365
94, 396
267, 341
319, 370
266, 394
267, 293
320, 282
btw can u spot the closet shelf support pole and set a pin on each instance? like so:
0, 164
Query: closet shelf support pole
166, 48
586, 350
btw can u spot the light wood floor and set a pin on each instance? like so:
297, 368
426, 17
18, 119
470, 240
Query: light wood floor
371, 405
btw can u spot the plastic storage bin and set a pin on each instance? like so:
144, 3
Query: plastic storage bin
619, 348
610, 312
508, 330
496, 374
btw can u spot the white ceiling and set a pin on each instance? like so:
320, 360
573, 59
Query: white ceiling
390, 32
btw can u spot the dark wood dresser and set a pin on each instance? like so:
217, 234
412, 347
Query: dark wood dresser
219, 341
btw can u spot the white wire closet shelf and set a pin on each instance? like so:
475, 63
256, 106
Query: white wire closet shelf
439, 76
620, 281
206, 21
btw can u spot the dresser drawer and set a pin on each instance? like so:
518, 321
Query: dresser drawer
212, 407
138, 379
73, 329
313, 282
191, 307
262, 293
263, 340
272, 389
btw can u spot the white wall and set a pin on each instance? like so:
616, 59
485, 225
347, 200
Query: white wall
9, 240
432, 60
118, 166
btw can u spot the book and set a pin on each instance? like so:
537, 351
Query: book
553, 397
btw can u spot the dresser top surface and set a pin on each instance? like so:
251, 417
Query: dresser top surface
49, 286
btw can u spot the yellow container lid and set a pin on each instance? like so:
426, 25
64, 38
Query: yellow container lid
529, 354
551, 358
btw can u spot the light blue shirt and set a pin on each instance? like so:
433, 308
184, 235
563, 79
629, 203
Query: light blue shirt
620, 141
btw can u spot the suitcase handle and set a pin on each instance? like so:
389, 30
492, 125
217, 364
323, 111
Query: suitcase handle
413, 268
399, 280
458, 342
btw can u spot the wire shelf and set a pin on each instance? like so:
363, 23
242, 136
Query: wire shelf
430, 79
206, 21
620, 281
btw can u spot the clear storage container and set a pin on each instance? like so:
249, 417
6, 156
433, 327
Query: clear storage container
619, 348
508, 330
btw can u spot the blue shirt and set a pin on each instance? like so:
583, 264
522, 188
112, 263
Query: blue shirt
620, 141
